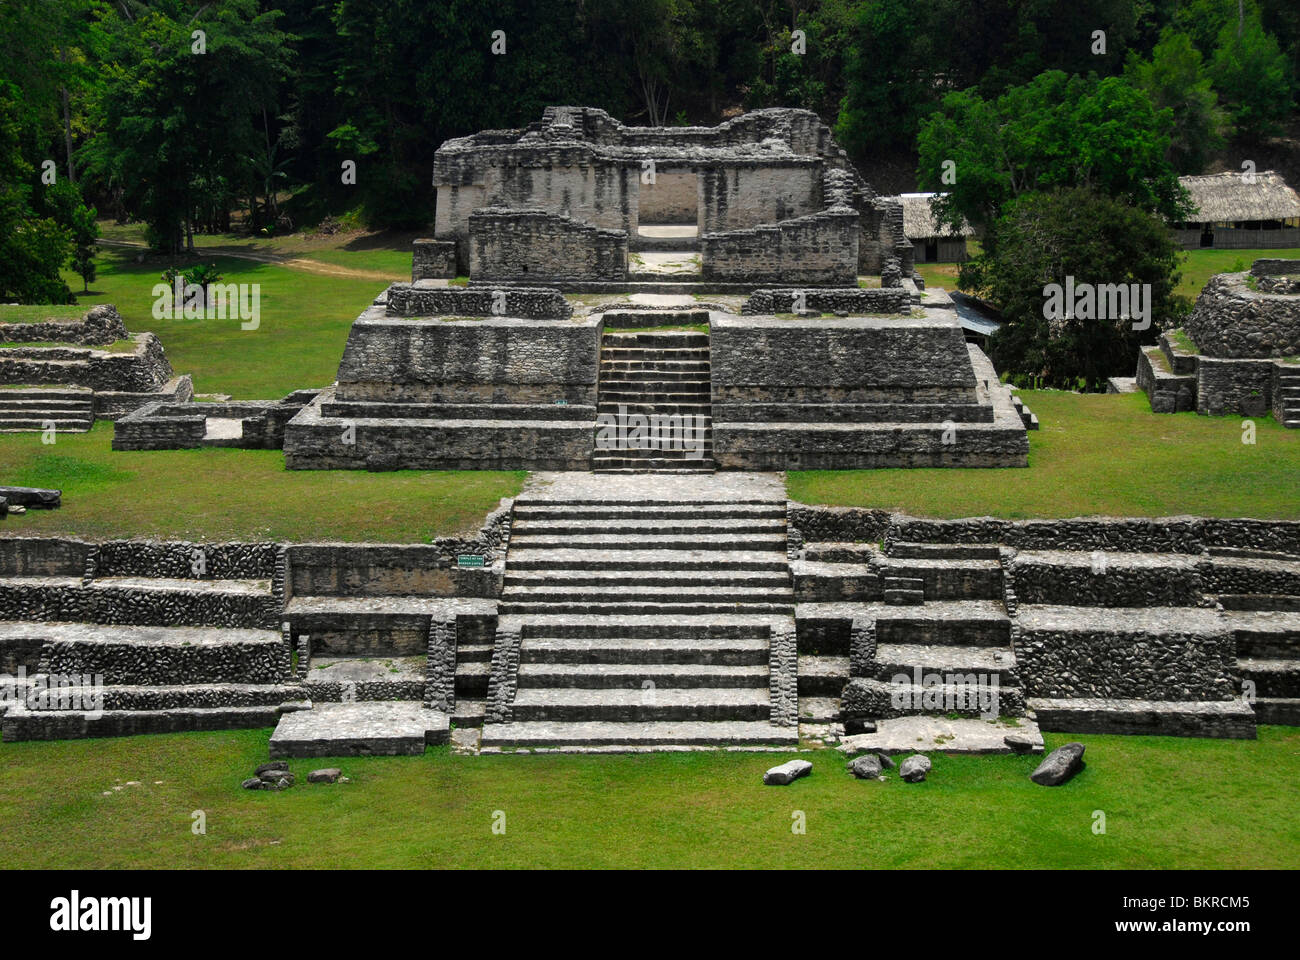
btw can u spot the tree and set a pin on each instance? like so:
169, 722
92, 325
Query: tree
63, 204
1174, 79
1079, 233
1251, 72
1055, 131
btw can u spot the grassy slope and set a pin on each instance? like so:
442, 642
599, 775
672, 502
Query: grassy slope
1096, 454
1164, 805
223, 494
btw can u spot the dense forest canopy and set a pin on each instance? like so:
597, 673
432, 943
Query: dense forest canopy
263, 116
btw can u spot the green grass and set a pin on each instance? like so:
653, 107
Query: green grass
1103, 454
305, 320
39, 313
1200, 265
224, 494
1165, 807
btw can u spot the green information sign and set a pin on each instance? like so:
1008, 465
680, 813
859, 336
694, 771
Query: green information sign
469, 560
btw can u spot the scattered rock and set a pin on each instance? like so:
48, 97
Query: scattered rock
866, 767
914, 768
1059, 765
852, 727
887, 761
273, 765
14, 509
1017, 743
253, 783
326, 775
787, 773
280, 777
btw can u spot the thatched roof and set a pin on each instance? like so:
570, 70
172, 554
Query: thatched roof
919, 221
1226, 197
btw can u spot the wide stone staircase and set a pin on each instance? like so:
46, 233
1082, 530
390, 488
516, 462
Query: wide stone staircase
648, 623
116, 653
67, 409
655, 377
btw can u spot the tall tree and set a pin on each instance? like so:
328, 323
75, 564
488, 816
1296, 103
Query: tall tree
1251, 72
1175, 79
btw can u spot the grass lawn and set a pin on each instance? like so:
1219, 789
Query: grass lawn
1169, 803
39, 313
305, 320
1104, 454
117, 346
220, 494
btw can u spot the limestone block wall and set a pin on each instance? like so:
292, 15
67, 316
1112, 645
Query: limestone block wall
1090, 579
1137, 658
673, 197
144, 369
1231, 320
101, 324
748, 194
820, 248
487, 360
43, 556
519, 244
433, 259
537, 303
853, 300
1242, 387
830, 360
179, 426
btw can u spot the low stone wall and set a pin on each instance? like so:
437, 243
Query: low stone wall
178, 426
1242, 387
821, 248
1106, 580
1190, 535
230, 661
536, 303
110, 604
101, 325
433, 260
44, 557
851, 301
1231, 320
144, 369
1269, 267
183, 560
1167, 392
1137, 657
509, 244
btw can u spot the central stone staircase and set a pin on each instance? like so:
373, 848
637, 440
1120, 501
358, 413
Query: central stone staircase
1289, 399
656, 375
648, 623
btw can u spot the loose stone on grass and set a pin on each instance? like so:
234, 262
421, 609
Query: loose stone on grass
1059, 766
866, 767
914, 768
325, 775
787, 773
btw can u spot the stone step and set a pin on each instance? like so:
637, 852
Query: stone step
622, 705
1265, 634
661, 525
126, 697
1280, 710
472, 677
365, 728
660, 676
469, 713
615, 579
164, 656
1217, 718
951, 623
658, 338
651, 626
700, 447
943, 551
638, 736
901, 597
748, 543
73, 404
621, 651
1259, 601
623, 465
832, 552
631, 558
542, 510
700, 409
21, 724
872, 698
473, 653
80, 394
644, 593
822, 676
653, 382
831, 582
1272, 678
146, 601
510, 607
947, 579
904, 658
819, 709
27, 424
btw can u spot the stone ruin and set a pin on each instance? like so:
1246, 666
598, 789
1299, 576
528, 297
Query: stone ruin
813, 371
72, 379
578, 198
1239, 351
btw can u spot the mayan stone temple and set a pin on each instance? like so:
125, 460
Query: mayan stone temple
656, 322
751, 234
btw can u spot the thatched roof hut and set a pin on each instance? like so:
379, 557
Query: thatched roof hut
919, 222
1228, 198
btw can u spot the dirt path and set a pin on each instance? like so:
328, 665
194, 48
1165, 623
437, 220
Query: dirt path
293, 263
